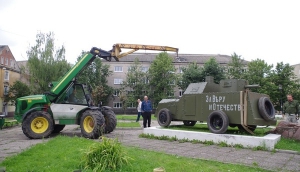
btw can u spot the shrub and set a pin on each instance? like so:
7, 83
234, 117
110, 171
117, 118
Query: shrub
106, 155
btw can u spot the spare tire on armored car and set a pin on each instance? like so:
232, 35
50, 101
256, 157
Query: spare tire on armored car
266, 109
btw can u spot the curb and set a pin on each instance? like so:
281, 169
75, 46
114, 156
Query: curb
129, 128
287, 151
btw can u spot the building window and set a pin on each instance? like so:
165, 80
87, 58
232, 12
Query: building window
2, 60
116, 93
131, 105
6, 90
11, 63
118, 81
180, 93
118, 69
180, 70
6, 61
145, 69
6, 75
130, 92
117, 105
171, 94
146, 80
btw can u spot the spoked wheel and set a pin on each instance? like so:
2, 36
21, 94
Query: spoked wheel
38, 125
92, 124
218, 122
164, 117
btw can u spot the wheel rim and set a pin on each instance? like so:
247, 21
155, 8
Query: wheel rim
216, 122
88, 124
39, 125
163, 117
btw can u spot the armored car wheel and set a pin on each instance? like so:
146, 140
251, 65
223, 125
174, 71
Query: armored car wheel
218, 122
189, 123
58, 128
92, 124
110, 120
266, 109
37, 125
164, 117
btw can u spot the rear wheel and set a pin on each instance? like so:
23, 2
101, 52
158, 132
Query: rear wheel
37, 125
58, 128
92, 124
218, 122
189, 123
164, 117
110, 120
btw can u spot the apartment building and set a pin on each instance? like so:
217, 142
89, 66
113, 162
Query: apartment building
297, 70
121, 68
9, 73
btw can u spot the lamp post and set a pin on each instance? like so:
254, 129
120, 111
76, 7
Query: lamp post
280, 88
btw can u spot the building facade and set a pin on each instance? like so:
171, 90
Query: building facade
120, 69
9, 73
297, 70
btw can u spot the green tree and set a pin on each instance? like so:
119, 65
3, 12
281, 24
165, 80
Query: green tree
259, 73
95, 75
135, 84
191, 74
45, 63
18, 89
236, 67
212, 68
282, 75
162, 78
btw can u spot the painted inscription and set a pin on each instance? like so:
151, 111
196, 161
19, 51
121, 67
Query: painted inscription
218, 103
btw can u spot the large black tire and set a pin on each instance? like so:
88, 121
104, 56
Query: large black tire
250, 127
266, 109
37, 125
164, 117
110, 120
218, 122
58, 128
189, 123
92, 124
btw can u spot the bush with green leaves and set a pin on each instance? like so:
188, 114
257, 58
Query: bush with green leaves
106, 155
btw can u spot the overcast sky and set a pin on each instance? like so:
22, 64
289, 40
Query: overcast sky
264, 29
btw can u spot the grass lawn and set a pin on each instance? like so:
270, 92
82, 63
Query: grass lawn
64, 154
128, 124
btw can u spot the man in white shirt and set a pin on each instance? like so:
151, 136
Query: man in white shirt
139, 109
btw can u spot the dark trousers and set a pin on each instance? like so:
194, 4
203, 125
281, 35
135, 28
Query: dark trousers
138, 116
147, 118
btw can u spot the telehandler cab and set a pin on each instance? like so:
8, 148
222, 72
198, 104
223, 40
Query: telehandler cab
69, 103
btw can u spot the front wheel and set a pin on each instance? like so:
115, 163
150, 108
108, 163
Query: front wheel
37, 125
218, 122
92, 124
164, 117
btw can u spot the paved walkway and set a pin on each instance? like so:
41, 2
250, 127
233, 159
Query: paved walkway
13, 141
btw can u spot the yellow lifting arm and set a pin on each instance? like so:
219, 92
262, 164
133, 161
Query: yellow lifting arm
116, 51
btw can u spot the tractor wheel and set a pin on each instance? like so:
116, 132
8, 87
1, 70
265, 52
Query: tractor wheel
218, 122
37, 125
164, 117
110, 120
92, 124
250, 127
58, 128
189, 123
266, 109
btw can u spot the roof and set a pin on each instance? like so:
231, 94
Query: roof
16, 66
182, 58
